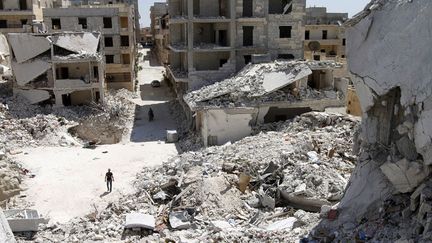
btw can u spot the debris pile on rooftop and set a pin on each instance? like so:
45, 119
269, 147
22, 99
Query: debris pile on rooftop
256, 83
265, 187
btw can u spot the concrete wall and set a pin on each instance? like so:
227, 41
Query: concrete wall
227, 125
209, 61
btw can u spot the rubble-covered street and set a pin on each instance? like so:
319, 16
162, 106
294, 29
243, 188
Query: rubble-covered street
230, 123
197, 196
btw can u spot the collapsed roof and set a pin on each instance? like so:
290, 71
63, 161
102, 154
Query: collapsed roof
256, 83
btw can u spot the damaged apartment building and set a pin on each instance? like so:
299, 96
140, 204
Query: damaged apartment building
324, 35
116, 22
213, 39
18, 16
263, 93
60, 69
160, 31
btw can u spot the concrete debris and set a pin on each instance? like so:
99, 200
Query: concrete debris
286, 224
139, 220
32, 96
261, 83
78, 42
405, 175
195, 196
390, 192
6, 234
21, 48
179, 220
26, 125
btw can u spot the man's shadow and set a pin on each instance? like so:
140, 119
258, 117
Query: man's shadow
104, 194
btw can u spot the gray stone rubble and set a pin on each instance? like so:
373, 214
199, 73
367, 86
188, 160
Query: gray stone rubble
196, 196
246, 88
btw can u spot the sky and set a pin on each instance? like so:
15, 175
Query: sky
342, 6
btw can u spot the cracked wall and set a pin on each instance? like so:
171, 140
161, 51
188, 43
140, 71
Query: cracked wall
391, 72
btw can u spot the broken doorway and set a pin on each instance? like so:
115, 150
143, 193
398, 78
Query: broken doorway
66, 100
248, 35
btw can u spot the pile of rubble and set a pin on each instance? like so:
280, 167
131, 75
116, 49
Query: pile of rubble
188, 139
10, 178
25, 125
249, 86
111, 123
271, 186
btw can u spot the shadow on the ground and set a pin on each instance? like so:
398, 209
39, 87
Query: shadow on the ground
144, 130
155, 94
104, 194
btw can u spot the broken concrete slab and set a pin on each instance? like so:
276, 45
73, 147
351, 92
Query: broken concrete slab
307, 204
140, 220
21, 48
6, 234
28, 71
179, 220
277, 80
78, 42
285, 224
405, 175
407, 148
33, 96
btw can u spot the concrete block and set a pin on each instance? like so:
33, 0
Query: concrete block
26, 47
404, 175
139, 220
407, 148
79, 43
33, 96
28, 71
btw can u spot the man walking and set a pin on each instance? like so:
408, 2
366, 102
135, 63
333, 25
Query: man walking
109, 178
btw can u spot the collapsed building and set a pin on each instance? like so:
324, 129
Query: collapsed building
211, 40
389, 194
263, 93
116, 21
61, 69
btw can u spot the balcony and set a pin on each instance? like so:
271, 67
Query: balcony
326, 42
177, 74
178, 47
75, 84
118, 68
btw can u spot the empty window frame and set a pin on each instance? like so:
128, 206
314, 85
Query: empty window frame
324, 34
109, 58
56, 24
344, 42
285, 31
83, 22
107, 22
307, 35
124, 40
248, 35
109, 41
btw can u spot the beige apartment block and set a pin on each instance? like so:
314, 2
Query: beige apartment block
116, 22
212, 39
57, 68
160, 31
325, 35
18, 16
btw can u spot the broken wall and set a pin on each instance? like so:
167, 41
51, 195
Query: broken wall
391, 74
219, 126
